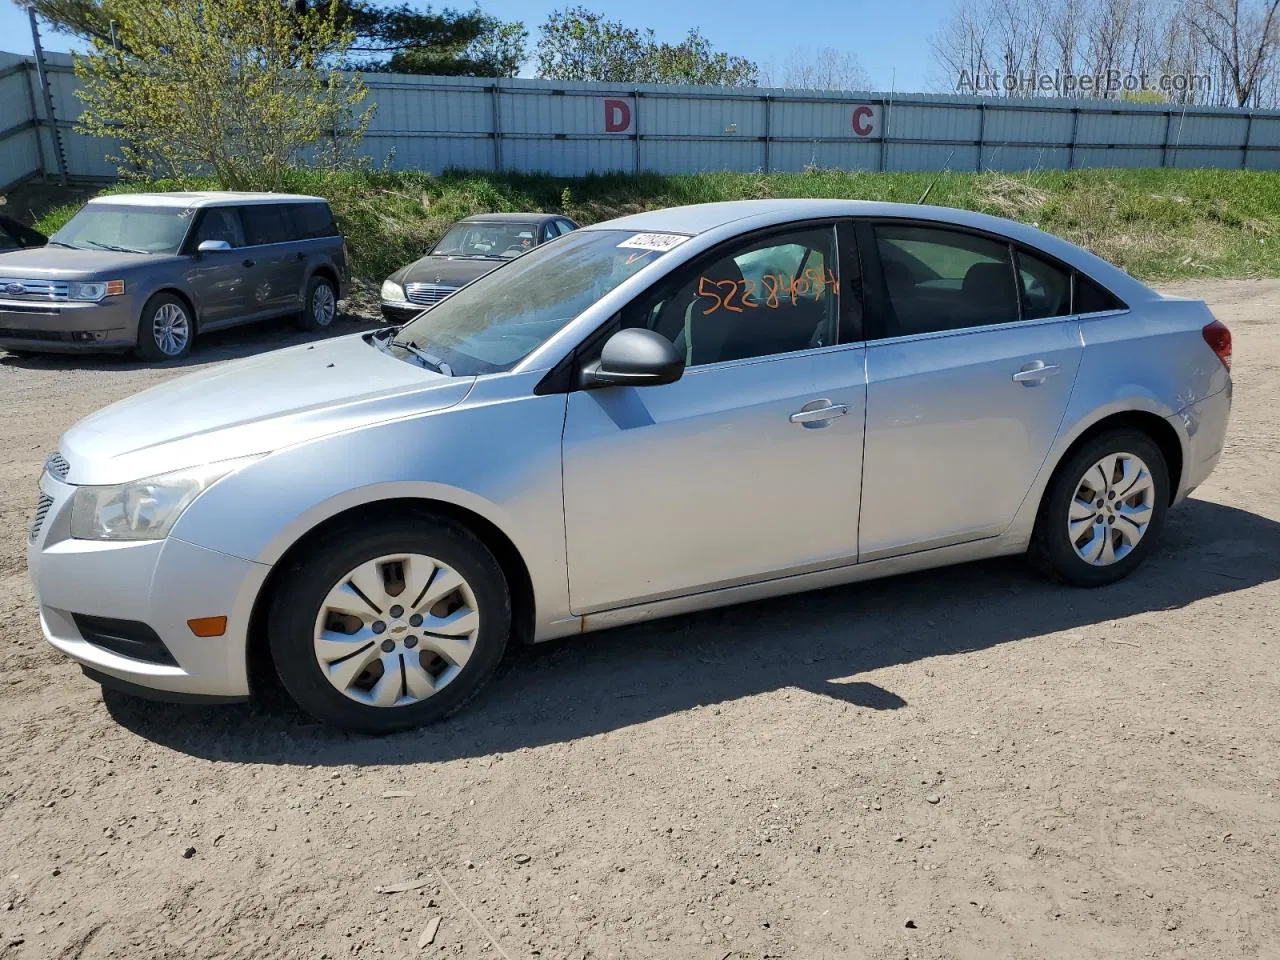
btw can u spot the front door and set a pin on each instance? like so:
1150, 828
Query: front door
749, 466
965, 391
218, 279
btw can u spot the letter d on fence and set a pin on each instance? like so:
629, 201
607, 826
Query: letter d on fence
617, 116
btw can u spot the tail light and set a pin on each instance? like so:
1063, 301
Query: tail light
1218, 337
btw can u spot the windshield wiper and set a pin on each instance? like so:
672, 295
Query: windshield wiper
59, 243
422, 355
114, 248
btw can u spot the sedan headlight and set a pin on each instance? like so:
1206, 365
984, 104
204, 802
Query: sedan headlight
95, 290
392, 291
143, 509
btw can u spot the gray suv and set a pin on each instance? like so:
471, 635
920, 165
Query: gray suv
148, 271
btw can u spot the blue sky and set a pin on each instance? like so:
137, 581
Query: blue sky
890, 39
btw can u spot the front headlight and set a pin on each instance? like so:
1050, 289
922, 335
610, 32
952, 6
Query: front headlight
95, 290
143, 509
392, 291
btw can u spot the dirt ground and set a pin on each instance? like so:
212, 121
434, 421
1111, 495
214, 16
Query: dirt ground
966, 763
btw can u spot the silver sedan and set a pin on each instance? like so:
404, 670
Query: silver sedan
658, 414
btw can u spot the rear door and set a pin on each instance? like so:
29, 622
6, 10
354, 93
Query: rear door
749, 465
973, 356
273, 255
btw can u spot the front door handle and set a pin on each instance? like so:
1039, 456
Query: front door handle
1035, 372
816, 413
248, 263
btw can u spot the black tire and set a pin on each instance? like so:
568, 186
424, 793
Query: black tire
1051, 548
298, 599
149, 347
311, 318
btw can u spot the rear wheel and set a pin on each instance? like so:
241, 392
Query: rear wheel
390, 625
166, 329
1103, 509
320, 306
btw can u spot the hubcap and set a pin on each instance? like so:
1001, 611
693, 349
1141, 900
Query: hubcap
323, 305
172, 329
1111, 509
396, 630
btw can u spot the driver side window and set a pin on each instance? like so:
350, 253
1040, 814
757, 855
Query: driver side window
771, 295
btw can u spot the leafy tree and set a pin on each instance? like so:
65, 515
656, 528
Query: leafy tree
385, 38
241, 88
578, 44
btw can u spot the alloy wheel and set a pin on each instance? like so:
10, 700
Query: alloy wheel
1111, 509
171, 329
396, 630
323, 305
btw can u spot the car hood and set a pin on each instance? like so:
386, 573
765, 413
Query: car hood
446, 271
59, 263
253, 406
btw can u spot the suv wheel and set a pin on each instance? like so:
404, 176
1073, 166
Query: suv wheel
165, 330
1103, 510
320, 308
391, 624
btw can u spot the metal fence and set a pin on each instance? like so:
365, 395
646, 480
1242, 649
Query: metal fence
569, 129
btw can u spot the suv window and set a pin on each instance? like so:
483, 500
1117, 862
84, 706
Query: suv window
266, 223
939, 279
769, 296
312, 221
220, 223
1045, 287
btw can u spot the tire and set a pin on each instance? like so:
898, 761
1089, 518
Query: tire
320, 305
1138, 488
418, 675
165, 314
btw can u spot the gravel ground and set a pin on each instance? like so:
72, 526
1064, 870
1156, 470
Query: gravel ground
963, 763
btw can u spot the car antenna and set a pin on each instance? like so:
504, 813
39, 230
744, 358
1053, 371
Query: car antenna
945, 164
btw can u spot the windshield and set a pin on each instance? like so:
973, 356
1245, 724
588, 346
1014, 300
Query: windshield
125, 227
503, 240
493, 323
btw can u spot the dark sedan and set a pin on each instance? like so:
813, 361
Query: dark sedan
471, 248
16, 236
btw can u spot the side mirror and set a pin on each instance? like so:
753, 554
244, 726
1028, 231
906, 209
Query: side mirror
635, 358
213, 246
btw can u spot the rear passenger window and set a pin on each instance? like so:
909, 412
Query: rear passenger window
312, 221
1045, 288
939, 279
1092, 298
266, 223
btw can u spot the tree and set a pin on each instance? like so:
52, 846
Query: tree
577, 44
1244, 40
242, 88
386, 38
823, 69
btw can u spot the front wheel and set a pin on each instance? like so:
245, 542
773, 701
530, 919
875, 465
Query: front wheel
391, 624
165, 329
1103, 509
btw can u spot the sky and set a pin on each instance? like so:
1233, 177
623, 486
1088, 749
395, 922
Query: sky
891, 40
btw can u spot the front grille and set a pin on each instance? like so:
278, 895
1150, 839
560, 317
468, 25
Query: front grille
57, 465
128, 638
426, 294
49, 336
16, 288
42, 511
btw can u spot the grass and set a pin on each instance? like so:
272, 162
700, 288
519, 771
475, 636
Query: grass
1157, 224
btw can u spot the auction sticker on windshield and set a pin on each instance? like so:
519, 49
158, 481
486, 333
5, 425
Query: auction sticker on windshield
652, 241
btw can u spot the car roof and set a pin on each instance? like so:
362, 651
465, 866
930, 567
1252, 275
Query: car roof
187, 199
511, 218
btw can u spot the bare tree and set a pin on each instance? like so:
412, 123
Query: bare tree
1243, 38
825, 68
960, 49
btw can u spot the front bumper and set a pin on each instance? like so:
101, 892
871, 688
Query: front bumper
159, 583
397, 312
68, 326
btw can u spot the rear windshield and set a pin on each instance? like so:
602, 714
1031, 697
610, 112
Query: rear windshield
126, 228
494, 322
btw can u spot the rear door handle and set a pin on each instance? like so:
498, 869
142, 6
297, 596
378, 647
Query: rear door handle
248, 263
1035, 372
818, 412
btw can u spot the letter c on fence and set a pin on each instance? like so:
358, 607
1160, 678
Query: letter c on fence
863, 119
617, 116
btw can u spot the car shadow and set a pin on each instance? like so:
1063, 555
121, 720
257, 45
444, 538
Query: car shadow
819, 642
230, 344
